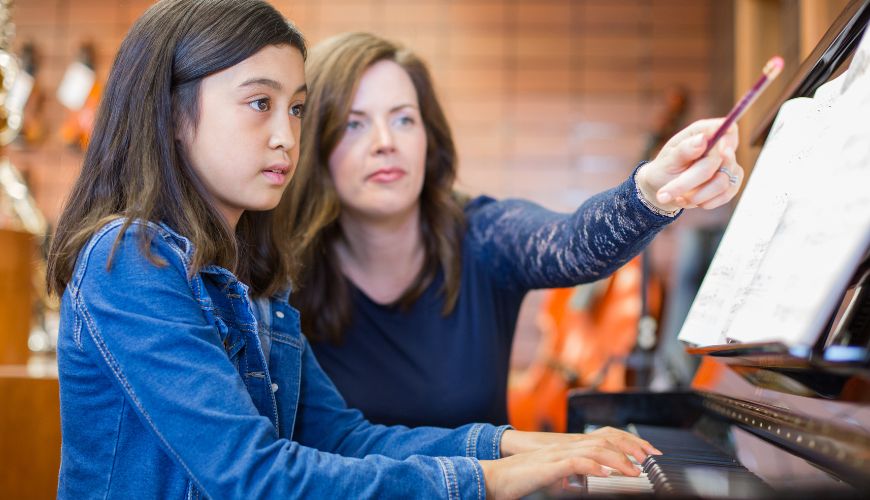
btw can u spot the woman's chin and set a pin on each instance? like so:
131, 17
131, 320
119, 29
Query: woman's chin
388, 208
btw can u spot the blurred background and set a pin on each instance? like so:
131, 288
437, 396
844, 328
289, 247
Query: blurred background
550, 100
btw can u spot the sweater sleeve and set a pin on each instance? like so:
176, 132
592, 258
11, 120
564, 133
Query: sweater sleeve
527, 246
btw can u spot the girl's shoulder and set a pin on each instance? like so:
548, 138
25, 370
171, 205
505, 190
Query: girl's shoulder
128, 246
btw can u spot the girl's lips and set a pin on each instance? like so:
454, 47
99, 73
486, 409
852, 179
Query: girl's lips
276, 175
386, 175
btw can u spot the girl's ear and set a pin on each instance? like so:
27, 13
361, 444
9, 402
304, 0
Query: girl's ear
182, 132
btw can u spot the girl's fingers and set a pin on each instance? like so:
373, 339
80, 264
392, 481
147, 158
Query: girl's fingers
637, 447
651, 450
584, 466
597, 442
599, 463
614, 459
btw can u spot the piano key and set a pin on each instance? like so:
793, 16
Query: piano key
689, 466
618, 483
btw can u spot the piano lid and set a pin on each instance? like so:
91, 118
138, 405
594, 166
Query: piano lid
800, 231
835, 47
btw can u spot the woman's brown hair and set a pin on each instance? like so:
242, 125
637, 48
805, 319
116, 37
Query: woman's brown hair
135, 167
333, 71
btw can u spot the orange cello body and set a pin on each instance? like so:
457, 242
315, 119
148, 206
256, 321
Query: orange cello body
587, 333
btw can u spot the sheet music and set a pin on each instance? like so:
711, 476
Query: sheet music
802, 225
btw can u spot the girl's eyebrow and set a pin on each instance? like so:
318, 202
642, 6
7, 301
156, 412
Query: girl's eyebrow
262, 81
272, 84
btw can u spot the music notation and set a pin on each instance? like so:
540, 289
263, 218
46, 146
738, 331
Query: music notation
802, 225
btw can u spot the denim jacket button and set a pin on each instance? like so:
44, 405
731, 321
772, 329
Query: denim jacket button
274, 388
280, 314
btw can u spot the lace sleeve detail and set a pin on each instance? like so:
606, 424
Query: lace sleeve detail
527, 246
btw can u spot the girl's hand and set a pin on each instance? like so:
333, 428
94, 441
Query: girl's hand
521, 474
680, 178
513, 442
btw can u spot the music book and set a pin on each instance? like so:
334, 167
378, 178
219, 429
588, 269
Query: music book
802, 226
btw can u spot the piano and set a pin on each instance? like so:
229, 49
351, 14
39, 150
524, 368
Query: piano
779, 405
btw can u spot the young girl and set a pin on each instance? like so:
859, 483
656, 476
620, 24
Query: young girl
405, 290
170, 385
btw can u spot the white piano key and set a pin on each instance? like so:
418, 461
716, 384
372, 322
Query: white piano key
618, 483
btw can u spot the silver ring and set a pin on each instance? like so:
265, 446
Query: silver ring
733, 179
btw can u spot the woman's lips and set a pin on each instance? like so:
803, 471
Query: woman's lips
385, 175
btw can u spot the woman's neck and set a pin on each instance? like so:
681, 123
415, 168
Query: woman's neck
382, 257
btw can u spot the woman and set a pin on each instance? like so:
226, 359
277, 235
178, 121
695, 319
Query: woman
409, 294
174, 383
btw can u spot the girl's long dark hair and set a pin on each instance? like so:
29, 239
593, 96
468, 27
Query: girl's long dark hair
311, 205
135, 167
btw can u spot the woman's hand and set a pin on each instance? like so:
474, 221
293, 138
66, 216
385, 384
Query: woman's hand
680, 178
514, 442
523, 473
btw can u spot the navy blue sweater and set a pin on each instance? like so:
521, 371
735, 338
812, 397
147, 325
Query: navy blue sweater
417, 367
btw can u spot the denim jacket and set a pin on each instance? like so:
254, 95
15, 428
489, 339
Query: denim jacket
171, 388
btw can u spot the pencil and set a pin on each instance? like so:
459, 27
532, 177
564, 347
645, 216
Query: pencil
768, 74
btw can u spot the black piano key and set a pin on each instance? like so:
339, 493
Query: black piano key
688, 461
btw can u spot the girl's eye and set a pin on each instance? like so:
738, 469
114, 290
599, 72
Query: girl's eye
354, 125
260, 104
297, 110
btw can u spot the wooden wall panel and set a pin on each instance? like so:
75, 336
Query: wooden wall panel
29, 433
486, 56
548, 99
17, 250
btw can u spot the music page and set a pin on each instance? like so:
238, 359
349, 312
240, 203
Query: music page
802, 224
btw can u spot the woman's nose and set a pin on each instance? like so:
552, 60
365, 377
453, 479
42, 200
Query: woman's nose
383, 140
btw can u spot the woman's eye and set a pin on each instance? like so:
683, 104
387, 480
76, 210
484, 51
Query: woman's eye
405, 121
297, 110
354, 125
260, 104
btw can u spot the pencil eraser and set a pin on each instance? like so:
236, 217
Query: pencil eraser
773, 67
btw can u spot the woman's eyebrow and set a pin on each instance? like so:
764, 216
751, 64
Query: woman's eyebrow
392, 110
401, 107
